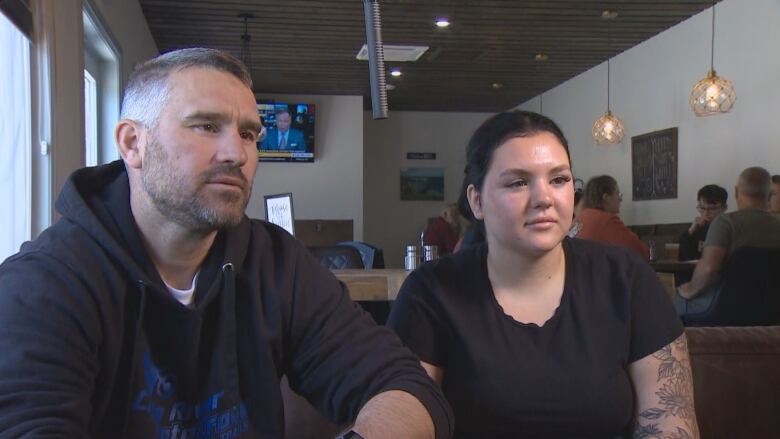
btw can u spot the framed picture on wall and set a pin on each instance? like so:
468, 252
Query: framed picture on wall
279, 211
654, 165
422, 184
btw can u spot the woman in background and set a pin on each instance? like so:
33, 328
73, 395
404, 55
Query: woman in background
533, 334
599, 218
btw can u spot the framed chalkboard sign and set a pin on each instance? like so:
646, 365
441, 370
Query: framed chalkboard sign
279, 211
654, 165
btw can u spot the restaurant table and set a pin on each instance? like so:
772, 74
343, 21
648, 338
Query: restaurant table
673, 273
378, 284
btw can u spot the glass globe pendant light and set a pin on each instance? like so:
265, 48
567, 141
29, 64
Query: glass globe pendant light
608, 129
713, 94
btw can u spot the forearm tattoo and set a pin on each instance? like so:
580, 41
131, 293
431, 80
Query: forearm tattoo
675, 396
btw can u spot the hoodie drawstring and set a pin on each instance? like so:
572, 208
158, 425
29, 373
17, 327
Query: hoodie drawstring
139, 323
229, 320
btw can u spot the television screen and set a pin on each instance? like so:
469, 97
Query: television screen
289, 132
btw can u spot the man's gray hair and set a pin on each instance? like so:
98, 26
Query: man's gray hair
147, 89
755, 182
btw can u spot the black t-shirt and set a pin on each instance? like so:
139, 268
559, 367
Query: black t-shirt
691, 245
567, 378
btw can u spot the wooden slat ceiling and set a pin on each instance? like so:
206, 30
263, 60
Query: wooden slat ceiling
309, 46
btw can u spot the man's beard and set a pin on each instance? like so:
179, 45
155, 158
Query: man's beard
191, 207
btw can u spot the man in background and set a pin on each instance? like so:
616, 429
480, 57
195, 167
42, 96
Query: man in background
752, 225
444, 230
711, 203
283, 137
774, 200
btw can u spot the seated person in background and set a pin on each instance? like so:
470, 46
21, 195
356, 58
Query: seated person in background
752, 225
599, 216
156, 308
711, 203
774, 200
525, 330
444, 230
282, 137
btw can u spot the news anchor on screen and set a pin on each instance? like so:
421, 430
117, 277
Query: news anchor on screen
282, 137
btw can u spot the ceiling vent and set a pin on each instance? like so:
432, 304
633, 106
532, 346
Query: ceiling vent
396, 53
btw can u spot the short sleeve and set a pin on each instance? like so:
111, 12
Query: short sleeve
720, 233
654, 322
416, 318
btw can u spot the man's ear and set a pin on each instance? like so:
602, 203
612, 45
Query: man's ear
128, 134
475, 202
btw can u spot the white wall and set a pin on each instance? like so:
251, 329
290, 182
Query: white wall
651, 84
391, 224
125, 21
332, 186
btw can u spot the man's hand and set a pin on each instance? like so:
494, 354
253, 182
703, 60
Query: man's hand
697, 223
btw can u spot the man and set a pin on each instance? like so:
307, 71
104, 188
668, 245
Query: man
751, 225
444, 230
774, 200
711, 203
284, 138
156, 308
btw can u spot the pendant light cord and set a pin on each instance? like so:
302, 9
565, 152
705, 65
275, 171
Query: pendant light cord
712, 41
609, 56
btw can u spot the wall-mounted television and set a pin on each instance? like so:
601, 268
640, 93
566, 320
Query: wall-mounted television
289, 132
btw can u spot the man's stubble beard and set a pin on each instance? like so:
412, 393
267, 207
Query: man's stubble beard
170, 194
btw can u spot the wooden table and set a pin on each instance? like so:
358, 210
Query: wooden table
671, 266
379, 284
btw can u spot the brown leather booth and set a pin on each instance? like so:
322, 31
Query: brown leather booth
736, 378
736, 375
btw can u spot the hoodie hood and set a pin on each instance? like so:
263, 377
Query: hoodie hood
97, 199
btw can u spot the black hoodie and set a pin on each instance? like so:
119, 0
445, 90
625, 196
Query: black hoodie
92, 344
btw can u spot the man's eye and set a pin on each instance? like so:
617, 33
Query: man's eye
210, 127
517, 183
249, 135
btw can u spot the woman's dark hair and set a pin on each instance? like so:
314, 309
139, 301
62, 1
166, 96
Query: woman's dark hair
595, 190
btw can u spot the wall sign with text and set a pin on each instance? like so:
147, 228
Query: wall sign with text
279, 211
654, 165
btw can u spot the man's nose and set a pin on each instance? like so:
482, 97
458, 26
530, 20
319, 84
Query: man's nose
232, 148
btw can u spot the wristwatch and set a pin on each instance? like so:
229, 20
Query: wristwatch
351, 434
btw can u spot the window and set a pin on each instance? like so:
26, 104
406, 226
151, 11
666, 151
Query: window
90, 120
15, 135
101, 89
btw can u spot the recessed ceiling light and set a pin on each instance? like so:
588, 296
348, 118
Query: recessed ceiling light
541, 57
497, 85
609, 15
442, 22
395, 72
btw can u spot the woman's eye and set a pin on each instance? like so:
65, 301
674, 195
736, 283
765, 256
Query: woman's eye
561, 180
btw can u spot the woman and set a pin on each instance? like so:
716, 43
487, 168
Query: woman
599, 219
533, 334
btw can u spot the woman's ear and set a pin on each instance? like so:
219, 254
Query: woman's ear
475, 201
128, 138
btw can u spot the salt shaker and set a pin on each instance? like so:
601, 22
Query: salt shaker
430, 252
411, 260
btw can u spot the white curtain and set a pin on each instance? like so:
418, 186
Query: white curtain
15, 134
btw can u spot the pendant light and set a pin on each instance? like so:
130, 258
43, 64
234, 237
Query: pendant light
713, 94
608, 129
246, 53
